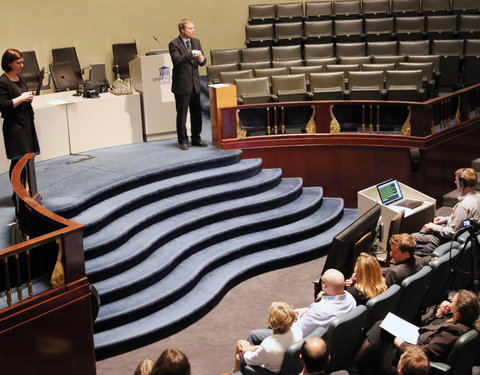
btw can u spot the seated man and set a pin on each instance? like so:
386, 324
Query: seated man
468, 208
402, 249
314, 356
333, 301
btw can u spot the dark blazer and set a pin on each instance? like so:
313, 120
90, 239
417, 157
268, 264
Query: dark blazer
185, 76
19, 132
397, 273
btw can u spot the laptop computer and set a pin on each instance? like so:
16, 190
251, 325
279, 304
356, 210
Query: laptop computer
391, 193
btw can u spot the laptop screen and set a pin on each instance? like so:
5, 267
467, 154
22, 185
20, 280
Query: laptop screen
389, 191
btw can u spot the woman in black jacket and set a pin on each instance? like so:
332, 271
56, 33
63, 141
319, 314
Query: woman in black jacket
19, 132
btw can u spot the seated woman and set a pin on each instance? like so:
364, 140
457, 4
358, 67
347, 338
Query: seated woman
436, 339
269, 354
367, 280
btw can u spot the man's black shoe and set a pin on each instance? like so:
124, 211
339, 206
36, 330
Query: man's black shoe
183, 146
199, 143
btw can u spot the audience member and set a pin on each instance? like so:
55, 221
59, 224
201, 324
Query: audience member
144, 367
314, 356
413, 361
171, 362
270, 352
402, 249
332, 301
435, 339
367, 280
443, 228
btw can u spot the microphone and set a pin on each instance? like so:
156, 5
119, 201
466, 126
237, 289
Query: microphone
159, 43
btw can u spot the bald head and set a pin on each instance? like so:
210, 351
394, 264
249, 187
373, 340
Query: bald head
333, 282
314, 355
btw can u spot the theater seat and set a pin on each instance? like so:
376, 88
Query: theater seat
462, 357
327, 86
404, 85
230, 77
379, 306
253, 90
365, 85
213, 71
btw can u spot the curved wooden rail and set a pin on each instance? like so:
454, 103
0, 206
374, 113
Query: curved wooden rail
46, 233
51, 299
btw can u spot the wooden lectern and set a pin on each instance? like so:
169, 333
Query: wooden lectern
221, 96
152, 77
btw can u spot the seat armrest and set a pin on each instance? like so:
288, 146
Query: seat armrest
439, 368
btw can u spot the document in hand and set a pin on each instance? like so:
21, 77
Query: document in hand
400, 328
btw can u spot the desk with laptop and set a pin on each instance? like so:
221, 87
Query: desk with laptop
394, 197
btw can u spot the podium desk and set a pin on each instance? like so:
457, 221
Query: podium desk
152, 77
68, 124
413, 219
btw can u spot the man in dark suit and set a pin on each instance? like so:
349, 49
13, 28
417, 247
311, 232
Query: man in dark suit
186, 53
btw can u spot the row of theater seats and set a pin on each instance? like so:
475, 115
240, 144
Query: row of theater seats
369, 29
454, 62
292, 12
424, 289
277, 84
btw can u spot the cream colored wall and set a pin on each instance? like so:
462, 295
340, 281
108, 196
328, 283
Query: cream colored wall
92, 26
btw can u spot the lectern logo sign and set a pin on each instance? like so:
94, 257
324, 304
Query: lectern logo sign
164, 75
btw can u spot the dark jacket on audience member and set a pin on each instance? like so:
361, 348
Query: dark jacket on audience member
437, 340
359, 297
400, 271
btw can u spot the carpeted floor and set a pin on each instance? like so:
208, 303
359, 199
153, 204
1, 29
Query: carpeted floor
210, 342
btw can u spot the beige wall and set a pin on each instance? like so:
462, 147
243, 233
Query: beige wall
92, 26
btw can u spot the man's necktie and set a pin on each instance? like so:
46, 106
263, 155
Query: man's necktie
189, 47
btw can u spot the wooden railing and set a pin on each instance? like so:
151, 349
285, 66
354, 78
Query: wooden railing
46, 318
421, 119
52, 250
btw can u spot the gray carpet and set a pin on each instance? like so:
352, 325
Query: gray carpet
210, 342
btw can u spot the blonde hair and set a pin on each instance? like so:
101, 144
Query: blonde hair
183, 23
144, 367
368, 274
468, 175
281, 317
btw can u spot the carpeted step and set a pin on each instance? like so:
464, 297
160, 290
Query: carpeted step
96, 217
252, 228
189, 271
73, 203
162, 231
118, 231
192, 306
